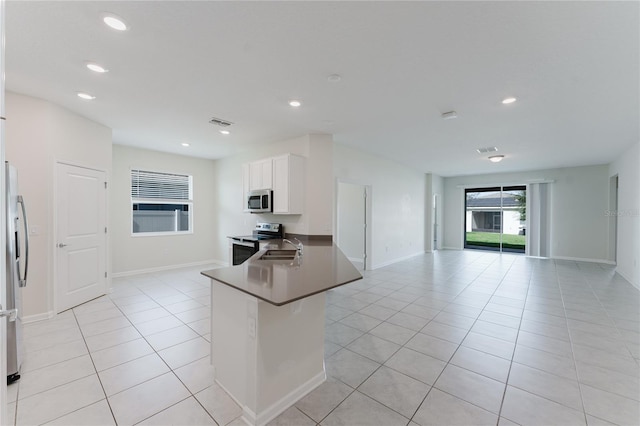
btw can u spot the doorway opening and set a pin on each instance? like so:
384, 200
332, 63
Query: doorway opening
435, 221
613, 218
495, 218
351, 223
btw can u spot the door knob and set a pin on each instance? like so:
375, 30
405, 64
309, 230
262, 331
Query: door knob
60, 245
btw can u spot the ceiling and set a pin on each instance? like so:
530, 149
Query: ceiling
573, 66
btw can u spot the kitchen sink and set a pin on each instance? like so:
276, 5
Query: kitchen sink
279, 255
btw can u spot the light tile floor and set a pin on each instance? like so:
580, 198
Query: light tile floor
453, 338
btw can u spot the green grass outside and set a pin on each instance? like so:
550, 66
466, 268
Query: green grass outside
490, 239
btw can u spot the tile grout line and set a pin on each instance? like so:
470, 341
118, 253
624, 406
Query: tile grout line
448, 362
96, 373
573, 355
454, 353
515, 346
191, 394
94, 366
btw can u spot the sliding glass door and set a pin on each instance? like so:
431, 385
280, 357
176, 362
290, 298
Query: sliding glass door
495, 218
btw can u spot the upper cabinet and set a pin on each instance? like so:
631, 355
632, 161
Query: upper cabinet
284, 175
288, 184
261, 174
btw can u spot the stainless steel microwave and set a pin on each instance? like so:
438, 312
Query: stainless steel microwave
260, 201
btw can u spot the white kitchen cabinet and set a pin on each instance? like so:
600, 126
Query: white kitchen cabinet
245, 185
261, 174
288, 184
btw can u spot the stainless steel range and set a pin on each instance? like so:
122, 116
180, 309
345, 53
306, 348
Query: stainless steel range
243, 247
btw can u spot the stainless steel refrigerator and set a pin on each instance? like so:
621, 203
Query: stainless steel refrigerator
17, 266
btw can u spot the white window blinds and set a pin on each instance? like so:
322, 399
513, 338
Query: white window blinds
146, 185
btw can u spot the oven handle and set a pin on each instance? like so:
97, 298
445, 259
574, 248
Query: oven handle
243, 243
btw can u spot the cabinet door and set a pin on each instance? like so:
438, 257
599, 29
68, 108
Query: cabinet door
246, 185
288, 184
260, 174
255, 175
267, 174
281, 184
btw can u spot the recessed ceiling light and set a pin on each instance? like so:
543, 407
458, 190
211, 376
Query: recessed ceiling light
114, 21
334, 78
86, 96
449, 115
295, 103
184, 144
509, 100
225, 132
96, 67
496, 158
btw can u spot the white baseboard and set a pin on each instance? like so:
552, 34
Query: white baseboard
167, 268
399, 259
584, 259
355, 259
275, 409
38, 317
451, 248
624, 275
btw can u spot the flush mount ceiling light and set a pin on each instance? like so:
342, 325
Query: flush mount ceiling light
85, 96
225, 132
96, 67
334, 78
114, 21
509, 100
295, 103
184, 144
449, 115
496, 158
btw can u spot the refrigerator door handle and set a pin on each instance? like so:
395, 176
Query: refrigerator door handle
22, 282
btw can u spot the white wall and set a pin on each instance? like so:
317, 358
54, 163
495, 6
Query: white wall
317, 217
39, 134
397, 200
578, 198
146, 253
627, 167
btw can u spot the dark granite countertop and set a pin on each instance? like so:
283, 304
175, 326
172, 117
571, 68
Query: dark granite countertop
321, 267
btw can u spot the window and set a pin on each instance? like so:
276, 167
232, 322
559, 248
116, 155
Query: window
161, 203
495, 218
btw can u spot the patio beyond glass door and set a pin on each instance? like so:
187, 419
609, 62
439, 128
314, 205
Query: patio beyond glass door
495, 218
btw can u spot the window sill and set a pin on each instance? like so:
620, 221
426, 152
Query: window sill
161, 234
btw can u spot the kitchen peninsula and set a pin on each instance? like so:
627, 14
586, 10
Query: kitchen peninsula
267, 333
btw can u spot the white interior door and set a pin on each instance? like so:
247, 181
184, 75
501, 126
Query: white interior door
81, 235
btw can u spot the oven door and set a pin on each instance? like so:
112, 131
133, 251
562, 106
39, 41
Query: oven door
242, 250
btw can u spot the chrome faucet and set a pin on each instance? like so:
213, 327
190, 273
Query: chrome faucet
298, 246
